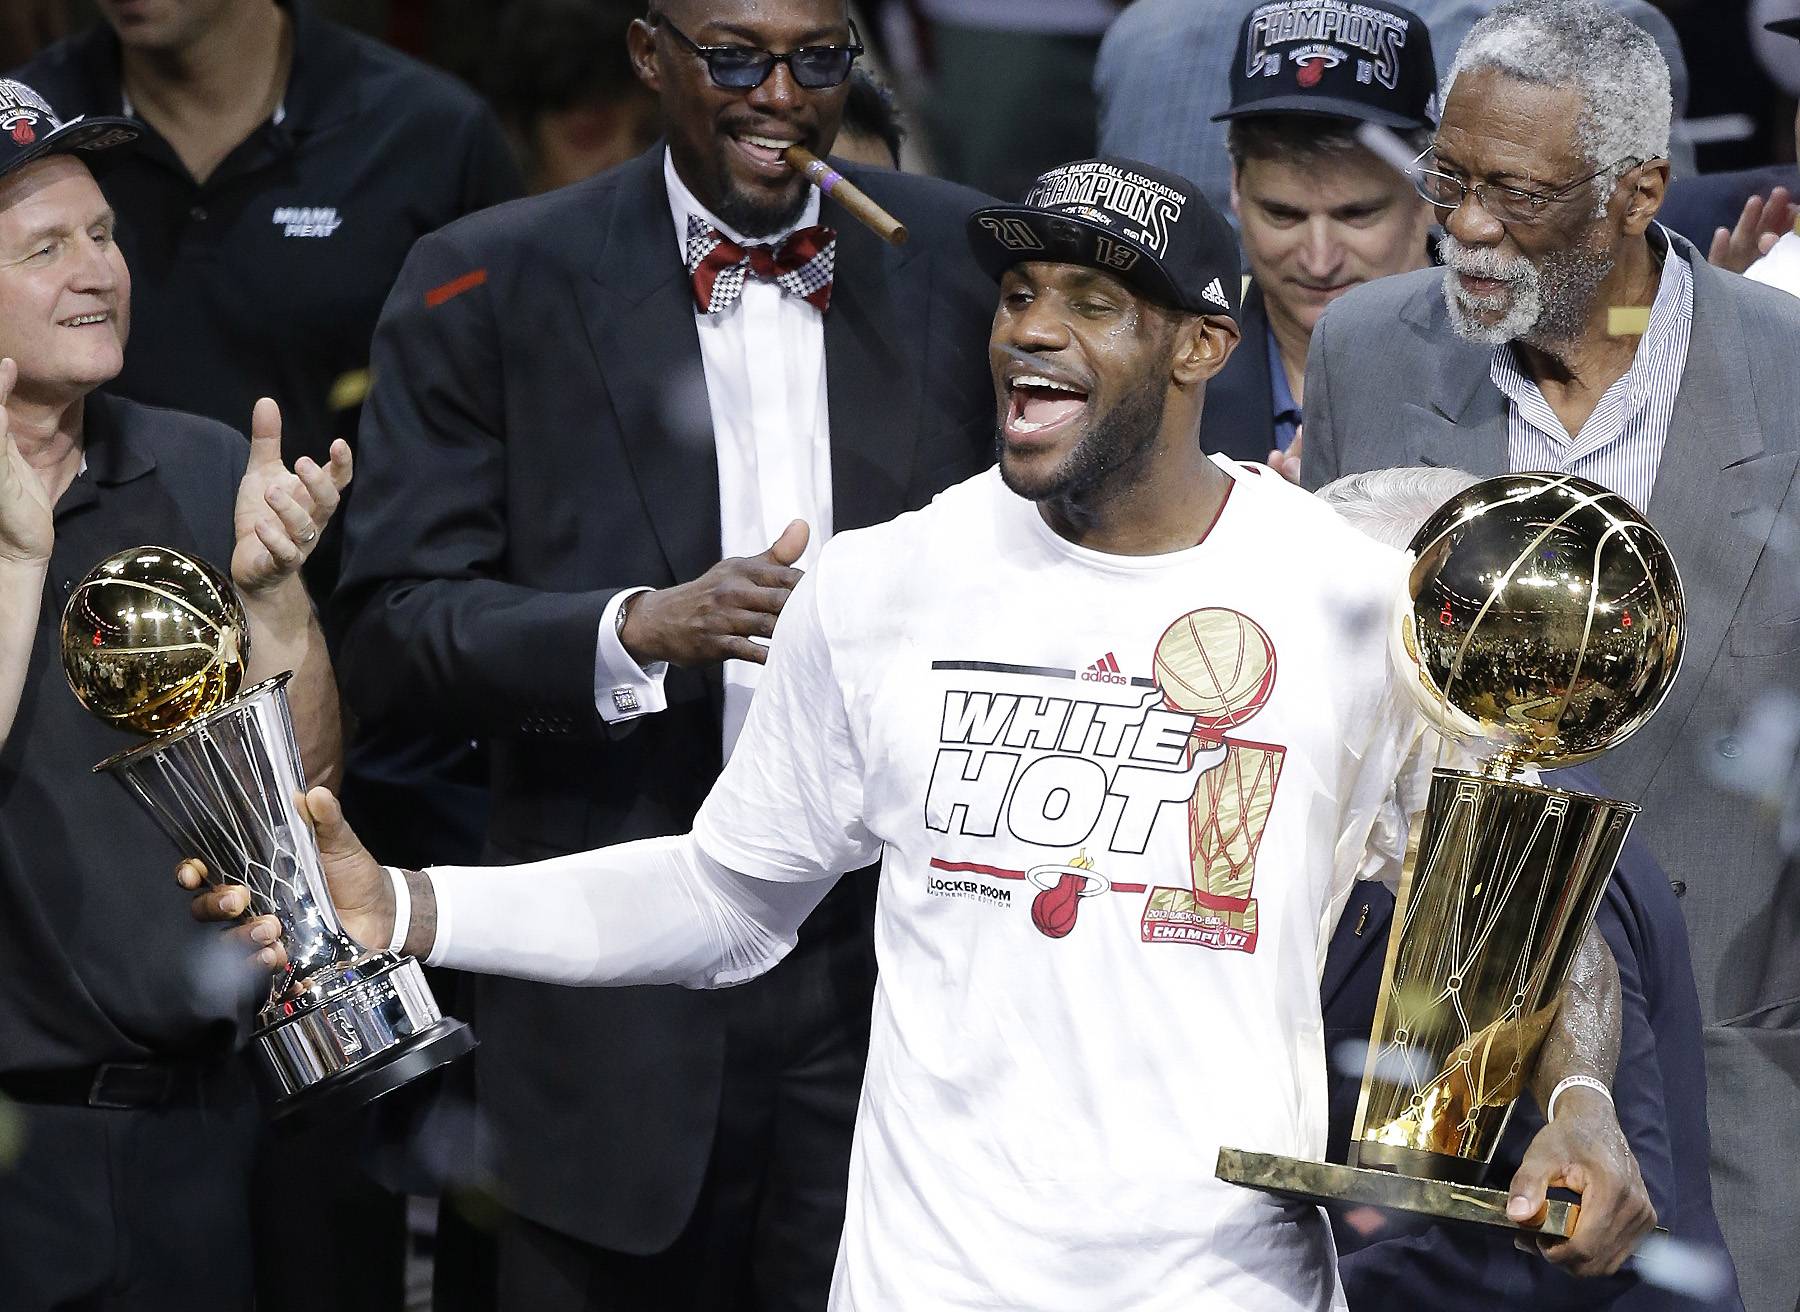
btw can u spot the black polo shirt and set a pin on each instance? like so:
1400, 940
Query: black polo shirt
267, 279
99, 958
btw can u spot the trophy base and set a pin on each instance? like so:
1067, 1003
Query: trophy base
349, 1090
1329, 1183
354, 1034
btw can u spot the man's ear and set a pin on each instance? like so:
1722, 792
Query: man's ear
640, 44
1648, 188
1203, 343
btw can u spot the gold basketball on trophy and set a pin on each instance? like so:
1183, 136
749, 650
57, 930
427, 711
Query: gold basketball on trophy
152, 638
1544, 618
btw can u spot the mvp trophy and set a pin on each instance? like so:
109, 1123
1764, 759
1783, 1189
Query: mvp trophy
156, 641
1542, 626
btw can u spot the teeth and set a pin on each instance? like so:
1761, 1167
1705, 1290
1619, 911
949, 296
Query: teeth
86, 319
1032, 380
768, 143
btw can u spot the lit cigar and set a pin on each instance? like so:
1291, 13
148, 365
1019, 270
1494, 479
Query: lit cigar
847, 194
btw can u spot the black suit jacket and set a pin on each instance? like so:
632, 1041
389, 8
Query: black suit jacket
537, 438
1238, 419
1659, 1086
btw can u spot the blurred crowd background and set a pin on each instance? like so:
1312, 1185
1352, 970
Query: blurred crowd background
985, 92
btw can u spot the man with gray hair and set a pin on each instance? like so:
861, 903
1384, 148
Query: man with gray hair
1570, 331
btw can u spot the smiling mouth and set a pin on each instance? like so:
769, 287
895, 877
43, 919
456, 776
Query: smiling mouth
86, 320
1038, 405
763, 149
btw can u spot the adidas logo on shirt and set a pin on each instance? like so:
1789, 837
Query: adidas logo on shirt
306, 220
1215, 295
1104, 670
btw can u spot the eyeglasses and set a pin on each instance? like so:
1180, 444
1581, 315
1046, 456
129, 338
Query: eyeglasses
741, 68
1510, 205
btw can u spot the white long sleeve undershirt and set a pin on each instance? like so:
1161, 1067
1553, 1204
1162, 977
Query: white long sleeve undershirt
657, 911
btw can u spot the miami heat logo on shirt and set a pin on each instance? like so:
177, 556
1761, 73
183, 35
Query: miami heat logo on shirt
1093, 771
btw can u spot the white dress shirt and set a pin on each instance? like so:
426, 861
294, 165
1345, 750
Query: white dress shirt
1620, 446
1781, 266
764, 362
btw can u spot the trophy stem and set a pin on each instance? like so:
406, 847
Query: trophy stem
343, 1023
1491, 911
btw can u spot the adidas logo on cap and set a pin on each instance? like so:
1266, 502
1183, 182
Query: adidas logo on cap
1215, 295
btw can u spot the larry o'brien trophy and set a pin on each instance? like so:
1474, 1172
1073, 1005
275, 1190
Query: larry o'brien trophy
1542, 625
155, 641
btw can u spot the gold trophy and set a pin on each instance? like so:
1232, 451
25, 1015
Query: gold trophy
155, 641
1542, 625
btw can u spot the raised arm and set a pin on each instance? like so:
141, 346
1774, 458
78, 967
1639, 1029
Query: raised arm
277, 519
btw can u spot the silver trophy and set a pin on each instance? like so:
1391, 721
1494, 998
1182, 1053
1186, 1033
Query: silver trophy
155, 641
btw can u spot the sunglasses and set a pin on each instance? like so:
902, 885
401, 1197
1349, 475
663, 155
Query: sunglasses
741, 68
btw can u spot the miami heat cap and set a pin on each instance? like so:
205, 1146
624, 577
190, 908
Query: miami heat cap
1150, 229
30, 129
1368, 61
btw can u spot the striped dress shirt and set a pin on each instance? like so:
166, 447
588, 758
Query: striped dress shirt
1620, 445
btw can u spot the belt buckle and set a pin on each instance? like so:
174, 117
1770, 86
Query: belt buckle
122, 1101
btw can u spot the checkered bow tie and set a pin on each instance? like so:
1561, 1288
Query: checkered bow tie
801, 266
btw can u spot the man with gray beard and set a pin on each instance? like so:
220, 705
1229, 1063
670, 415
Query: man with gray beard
1570, 331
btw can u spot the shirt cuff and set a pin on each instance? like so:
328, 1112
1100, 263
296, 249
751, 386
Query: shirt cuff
444, 898
623, 689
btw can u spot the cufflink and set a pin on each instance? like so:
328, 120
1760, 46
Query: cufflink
625, 701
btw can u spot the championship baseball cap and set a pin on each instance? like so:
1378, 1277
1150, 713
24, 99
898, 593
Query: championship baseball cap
30, 129
1152, 230
1367, 60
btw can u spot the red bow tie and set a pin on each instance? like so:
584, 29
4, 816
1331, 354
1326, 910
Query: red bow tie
801, 265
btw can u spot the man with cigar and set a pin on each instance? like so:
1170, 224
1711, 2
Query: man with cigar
1027, 699
1572, 331
609, 426
128, 1123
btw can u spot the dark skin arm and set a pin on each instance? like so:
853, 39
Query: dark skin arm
1584, 1149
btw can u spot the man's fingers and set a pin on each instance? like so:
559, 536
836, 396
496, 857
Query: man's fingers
330, 829
789, 547
321, 486
1530, 1186
283, 553
342, 465
1720, 247
9, 374
742, 649
297, 521
227, 902
265, 432
191, 874
764, 600
765, 574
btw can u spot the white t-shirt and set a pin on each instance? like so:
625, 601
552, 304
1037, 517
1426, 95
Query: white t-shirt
1070, 1022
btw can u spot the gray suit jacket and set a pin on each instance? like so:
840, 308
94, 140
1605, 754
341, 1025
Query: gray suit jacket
1389, 383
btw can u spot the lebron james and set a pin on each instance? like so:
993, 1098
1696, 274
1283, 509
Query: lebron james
1117, 720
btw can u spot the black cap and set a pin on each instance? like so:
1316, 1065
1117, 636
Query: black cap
1150, 229
30, 129
1369, 61
1784, 27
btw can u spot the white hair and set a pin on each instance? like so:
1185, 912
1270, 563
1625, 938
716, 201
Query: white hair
1390, 505
1613, 63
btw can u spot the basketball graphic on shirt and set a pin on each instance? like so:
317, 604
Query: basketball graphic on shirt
1217, 665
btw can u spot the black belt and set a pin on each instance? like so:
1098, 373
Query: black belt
113, 1084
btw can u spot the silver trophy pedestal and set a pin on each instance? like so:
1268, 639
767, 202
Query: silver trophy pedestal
343, 1024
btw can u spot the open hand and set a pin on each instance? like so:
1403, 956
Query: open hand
1758, 228
279, 515
27, 526
1584, 1149
359, 889
715, 617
